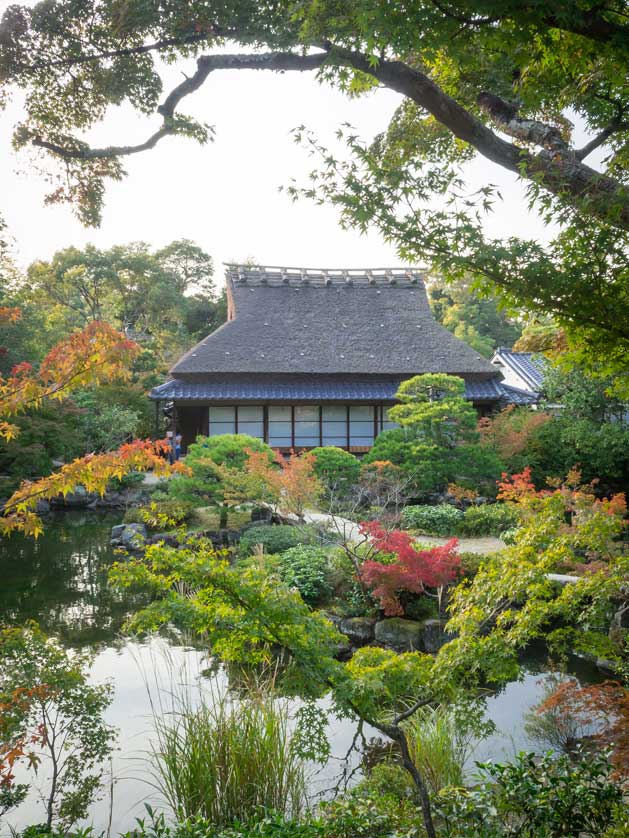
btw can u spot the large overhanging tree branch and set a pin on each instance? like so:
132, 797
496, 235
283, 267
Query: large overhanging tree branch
206, 64
494, 78
556, 167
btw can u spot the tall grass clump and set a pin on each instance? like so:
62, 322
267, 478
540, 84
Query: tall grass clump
227, 760
440, 742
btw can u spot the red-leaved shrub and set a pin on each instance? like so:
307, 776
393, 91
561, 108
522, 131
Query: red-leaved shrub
413, 570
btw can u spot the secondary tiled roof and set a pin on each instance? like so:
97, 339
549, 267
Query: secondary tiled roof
514, 395
311, 388
288, 320
529, 366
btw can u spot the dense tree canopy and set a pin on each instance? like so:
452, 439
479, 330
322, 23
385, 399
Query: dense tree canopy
160, 302
474, 318
152, 296
503, 80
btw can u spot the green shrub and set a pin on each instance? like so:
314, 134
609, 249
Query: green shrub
432, 520
160, 514
509, 536
373, 812
204, 485
489, 519
275, 539
305, 567
360, 814
432, 467
534, 798
337, 469
132, 480
471, 562
420, 607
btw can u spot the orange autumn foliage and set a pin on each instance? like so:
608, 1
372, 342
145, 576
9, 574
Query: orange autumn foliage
577, 497
9, 314
510, 431
460, 493
13, 749
94, 471
95, 355
605, 705
293, 486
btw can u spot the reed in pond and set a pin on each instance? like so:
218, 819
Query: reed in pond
227, 759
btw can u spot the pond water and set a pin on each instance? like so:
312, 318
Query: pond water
60, 581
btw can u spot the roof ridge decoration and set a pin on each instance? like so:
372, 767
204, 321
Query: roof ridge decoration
281, 275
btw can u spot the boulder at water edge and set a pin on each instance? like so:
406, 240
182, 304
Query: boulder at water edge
399, 634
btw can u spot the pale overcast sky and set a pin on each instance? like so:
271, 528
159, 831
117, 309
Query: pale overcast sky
224, 195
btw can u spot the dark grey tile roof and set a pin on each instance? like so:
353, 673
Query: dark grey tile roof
513, 395
529, 366
304, 388
294, 321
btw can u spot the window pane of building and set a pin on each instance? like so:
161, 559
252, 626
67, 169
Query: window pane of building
307, 413
255, 429
222, 421
222, 414
334, 424
361, 424
306, 433
334, 412
279, 413
340, 440
307, 425
387, 425
280, 429
250, 413
279, 441
251, 420
361, 412
280, 426
336, 431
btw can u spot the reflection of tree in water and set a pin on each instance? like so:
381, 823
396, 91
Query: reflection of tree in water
60, 580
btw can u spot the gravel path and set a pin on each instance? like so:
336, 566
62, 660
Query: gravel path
349, 529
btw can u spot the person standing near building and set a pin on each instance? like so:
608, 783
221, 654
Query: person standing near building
178, 439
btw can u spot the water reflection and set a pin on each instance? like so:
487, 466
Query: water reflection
60, 580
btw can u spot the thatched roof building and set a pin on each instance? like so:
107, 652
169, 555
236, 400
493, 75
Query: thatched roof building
311, 357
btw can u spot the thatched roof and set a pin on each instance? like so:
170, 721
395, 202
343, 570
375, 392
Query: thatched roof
370, 322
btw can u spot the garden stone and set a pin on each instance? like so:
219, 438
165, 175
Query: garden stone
343, 651
606, 666
117, 531
42, 507
335, 619
359, 630
434, 635
78, 499
399, 634
168, 538
261, 516
133, 537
